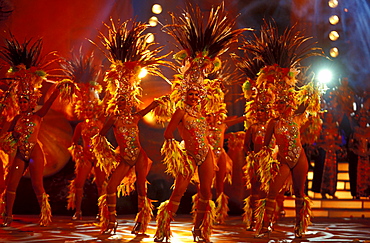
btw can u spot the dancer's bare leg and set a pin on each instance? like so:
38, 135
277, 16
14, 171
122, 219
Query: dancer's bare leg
119, 173
15, 174
82, 173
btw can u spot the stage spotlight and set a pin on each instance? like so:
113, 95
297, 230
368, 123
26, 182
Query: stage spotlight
143, 73
325, 76
333, 35
157, 8
153, 21
149, 38
334, 19
333, 3
334, 52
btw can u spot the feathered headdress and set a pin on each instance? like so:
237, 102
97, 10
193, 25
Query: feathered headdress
201, 46
279, 58
27, 70
255, 99
129, 52
82, 71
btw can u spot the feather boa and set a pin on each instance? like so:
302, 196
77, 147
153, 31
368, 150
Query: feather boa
45, 215
266, 170
250, 161
164, 218
260, 212
207, 222
127, 184
248, 212
176, 159
104, 153
71, 195
222, 208
305, 214
8, 143
145, 214
77, 154
165, 109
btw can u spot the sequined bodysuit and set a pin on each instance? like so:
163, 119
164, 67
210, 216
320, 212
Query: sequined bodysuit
89, 128
288, 140
27, 132
126, 133
259, 135
197, 128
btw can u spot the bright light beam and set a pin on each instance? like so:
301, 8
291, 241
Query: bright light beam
325, 76
143, 73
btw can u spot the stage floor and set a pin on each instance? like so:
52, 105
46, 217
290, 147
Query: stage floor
25, 229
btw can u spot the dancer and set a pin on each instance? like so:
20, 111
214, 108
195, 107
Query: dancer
253, 143
291, 156
85, 159
199, 58
193, 129
292, 159
218, 123
359, 158
27, 74
129, 54
129, 154
257, 173
29, 154
87, 106
281, 56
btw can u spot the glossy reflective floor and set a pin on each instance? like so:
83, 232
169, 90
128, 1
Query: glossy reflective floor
25, 229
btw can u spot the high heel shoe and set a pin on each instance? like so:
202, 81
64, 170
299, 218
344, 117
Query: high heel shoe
252, 227
7, 220
137, 228
111, 228
265, 231
198, 236
77, 215
163, 238
298, 231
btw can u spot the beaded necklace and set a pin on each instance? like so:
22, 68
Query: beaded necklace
126, 118
192, 110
